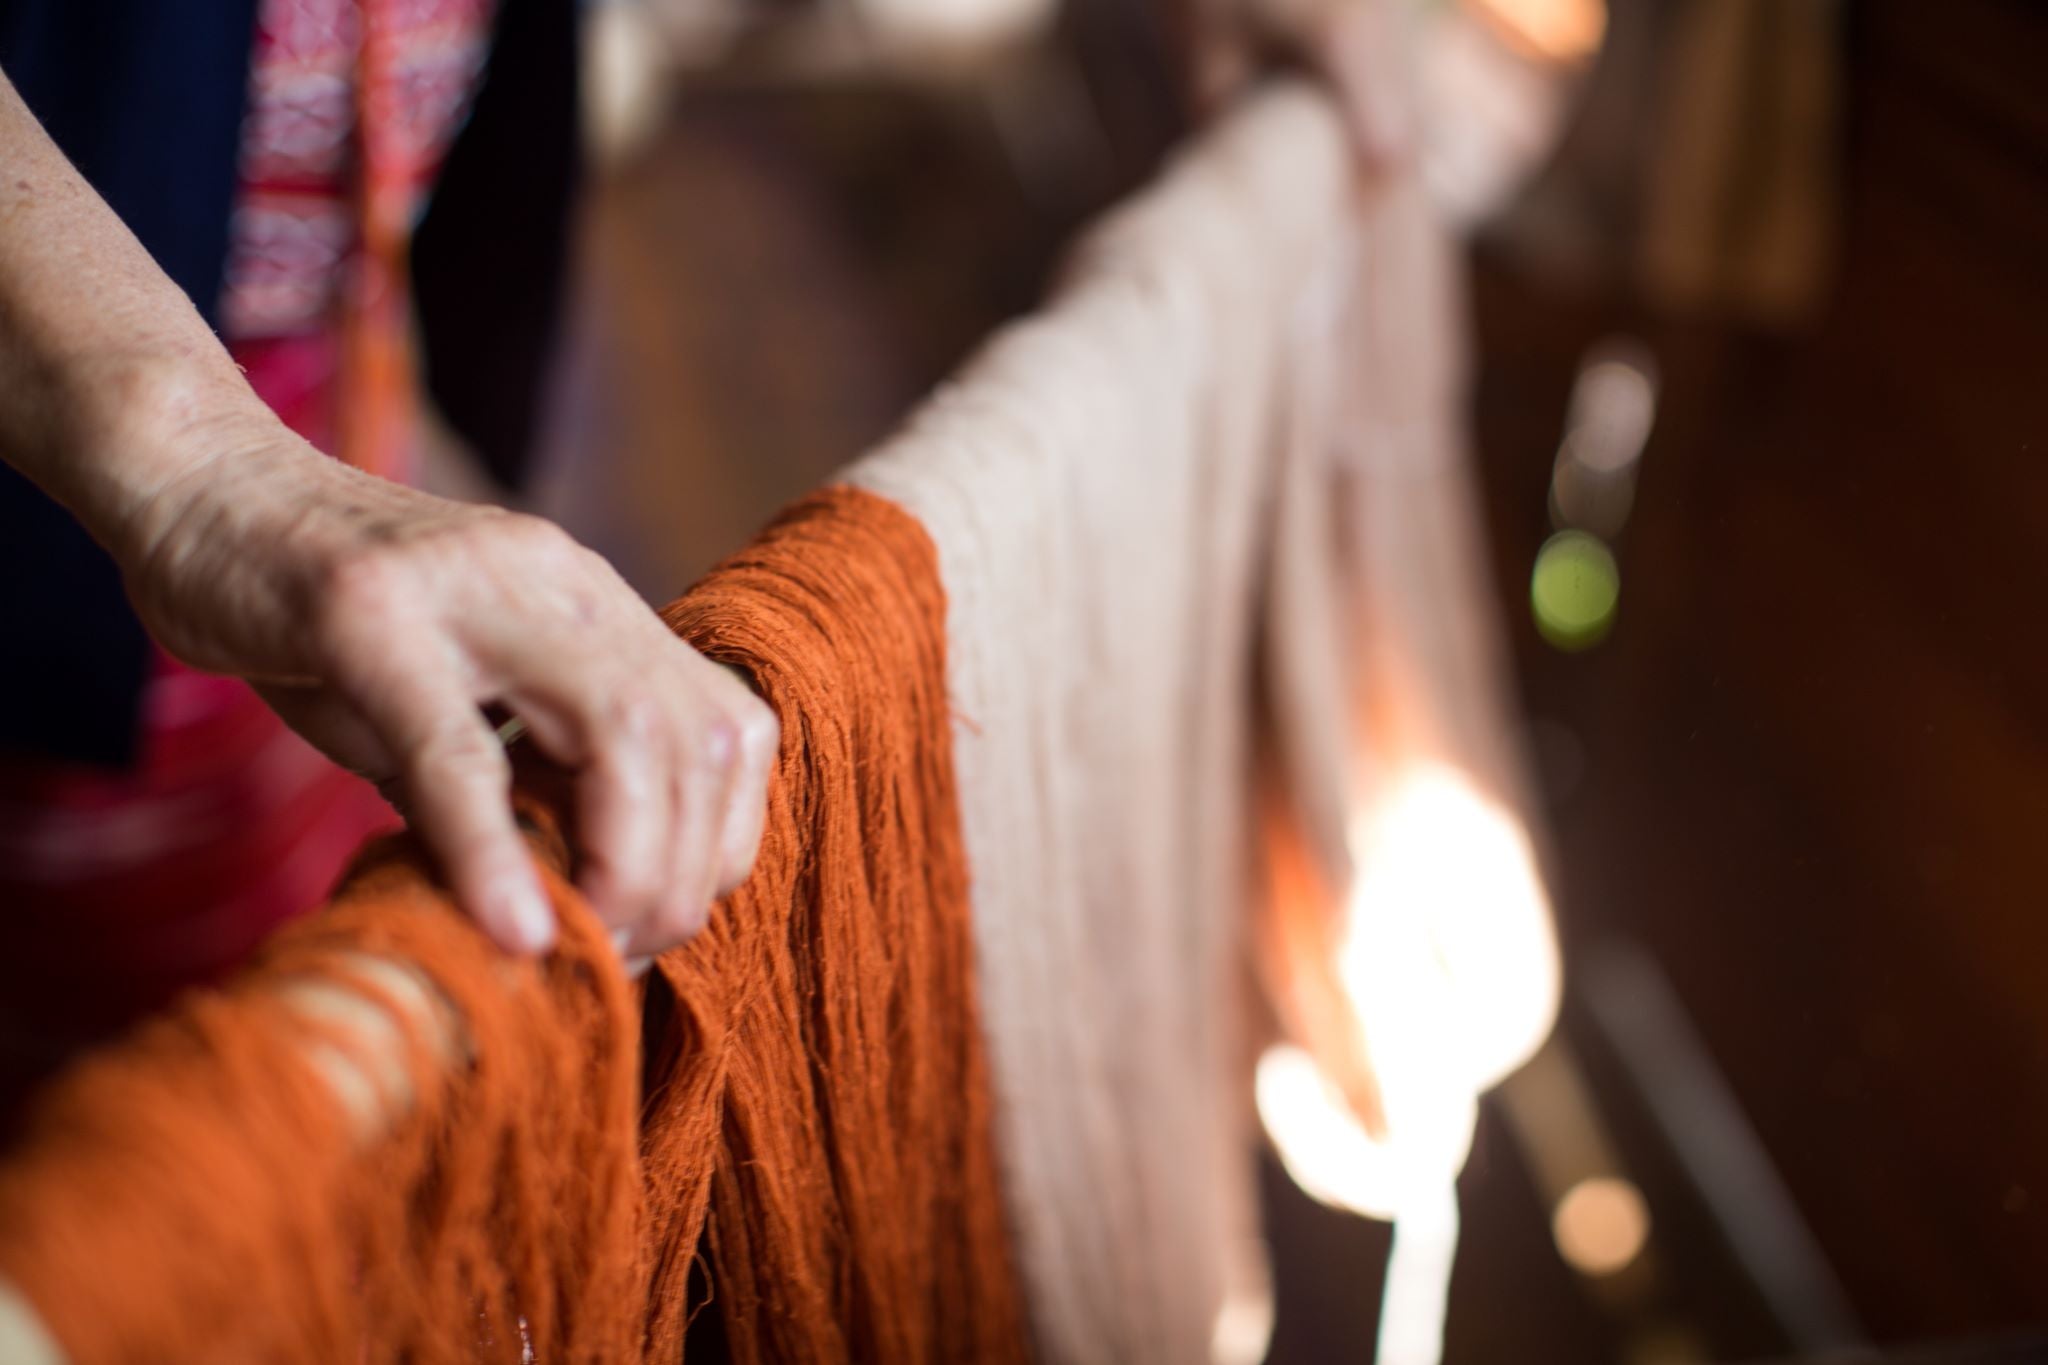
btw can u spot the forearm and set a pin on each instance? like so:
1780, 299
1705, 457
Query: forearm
375, 618
112, 387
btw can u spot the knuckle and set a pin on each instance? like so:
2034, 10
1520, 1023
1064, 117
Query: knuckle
760, 731
631, 712
489, 852
537, 538
464, 749
715, 745
539, 531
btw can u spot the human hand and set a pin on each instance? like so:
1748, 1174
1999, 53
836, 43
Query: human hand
1359, 47
378, 620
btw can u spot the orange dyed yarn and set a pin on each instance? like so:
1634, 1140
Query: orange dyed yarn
812, 1134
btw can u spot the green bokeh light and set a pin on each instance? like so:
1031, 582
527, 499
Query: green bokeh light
1574, 589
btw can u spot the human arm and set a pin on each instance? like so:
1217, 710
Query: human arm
376, 619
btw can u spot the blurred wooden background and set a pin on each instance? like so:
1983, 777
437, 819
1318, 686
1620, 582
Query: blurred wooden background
1808, 771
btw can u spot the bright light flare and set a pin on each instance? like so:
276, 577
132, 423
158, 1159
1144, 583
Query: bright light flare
1448, 961
1448, 955
1449, 964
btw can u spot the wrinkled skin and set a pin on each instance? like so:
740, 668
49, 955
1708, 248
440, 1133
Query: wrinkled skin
377, 620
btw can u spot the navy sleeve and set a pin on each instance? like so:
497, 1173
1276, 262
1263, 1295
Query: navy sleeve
146, 98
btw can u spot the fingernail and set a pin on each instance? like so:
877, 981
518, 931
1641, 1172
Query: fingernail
533, 919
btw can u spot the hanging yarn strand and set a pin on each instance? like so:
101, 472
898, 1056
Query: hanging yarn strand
1103, 483
219, 1187
859, 1188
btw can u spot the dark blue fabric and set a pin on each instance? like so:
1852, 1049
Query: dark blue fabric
490, 260
146, 98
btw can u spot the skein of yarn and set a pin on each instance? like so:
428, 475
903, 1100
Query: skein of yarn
387, 1142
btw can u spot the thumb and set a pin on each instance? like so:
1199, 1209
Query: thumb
325, 719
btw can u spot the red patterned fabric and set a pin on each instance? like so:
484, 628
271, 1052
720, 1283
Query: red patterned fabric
315, 273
